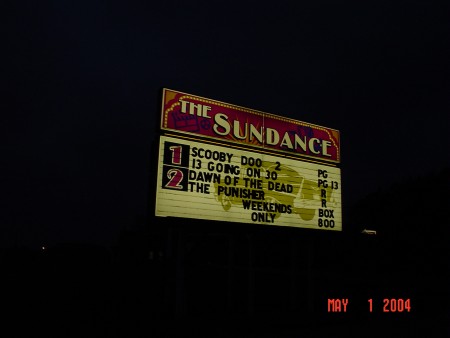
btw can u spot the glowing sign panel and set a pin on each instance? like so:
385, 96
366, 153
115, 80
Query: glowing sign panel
205, 181
201, 117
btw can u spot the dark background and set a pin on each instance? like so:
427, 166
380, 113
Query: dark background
81, 91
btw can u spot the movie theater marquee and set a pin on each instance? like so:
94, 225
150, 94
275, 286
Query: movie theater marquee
223, 162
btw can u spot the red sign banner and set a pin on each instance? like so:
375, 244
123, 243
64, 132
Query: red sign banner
194, 115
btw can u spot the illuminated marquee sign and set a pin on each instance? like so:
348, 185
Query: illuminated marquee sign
209, 119
205, 181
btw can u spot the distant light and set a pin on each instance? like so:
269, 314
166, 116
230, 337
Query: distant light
43, 248
369, 232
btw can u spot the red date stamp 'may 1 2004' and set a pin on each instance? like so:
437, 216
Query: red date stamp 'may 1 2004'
389, 305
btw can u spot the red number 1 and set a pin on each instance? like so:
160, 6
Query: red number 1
176, 154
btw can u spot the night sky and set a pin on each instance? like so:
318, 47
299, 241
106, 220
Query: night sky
80, 111
82, 85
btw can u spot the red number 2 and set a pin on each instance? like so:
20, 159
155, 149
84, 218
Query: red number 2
175, 177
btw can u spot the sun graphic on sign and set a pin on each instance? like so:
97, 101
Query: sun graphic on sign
245, 131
